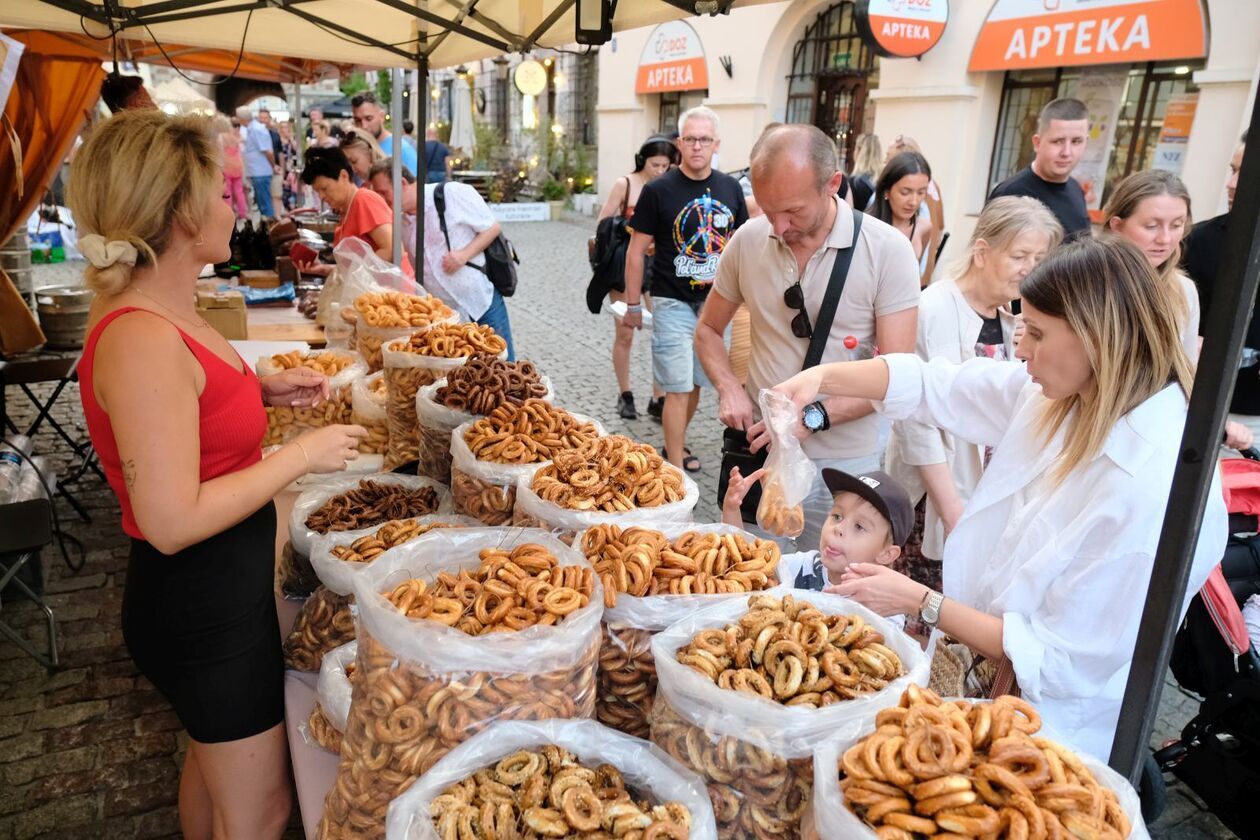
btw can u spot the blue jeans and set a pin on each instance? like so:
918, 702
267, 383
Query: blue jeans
262, 195
496, 317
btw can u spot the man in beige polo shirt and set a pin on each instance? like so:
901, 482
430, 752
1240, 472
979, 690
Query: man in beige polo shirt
795, 174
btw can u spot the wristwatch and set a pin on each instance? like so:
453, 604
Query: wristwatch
930, 609
814, 417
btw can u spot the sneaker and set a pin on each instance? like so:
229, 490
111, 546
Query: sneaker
625, 406
655, 406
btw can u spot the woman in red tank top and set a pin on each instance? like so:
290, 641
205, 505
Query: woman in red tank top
177, 419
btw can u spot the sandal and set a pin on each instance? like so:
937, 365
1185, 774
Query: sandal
690, 462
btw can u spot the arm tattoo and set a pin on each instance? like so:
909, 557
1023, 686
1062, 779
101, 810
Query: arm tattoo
129, 473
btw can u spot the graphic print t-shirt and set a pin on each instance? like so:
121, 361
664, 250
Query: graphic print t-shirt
691, 222
990, 343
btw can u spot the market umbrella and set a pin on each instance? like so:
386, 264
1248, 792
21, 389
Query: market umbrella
462, 136
175, 96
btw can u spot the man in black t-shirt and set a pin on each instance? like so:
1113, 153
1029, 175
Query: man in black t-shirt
1062, 131
690, 214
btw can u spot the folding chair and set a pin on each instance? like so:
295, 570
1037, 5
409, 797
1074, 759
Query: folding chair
25, 528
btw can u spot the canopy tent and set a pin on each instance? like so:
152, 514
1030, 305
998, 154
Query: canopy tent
177, 96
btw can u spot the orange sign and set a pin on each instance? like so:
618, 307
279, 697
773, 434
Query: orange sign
672, 60
901, 28
1020, 34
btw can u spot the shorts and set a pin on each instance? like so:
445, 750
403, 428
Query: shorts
675, 365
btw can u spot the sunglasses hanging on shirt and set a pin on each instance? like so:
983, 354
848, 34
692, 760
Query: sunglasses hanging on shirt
794, 298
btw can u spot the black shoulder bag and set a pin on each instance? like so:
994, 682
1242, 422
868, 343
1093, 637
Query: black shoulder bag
735, 452
606, 251
501, 258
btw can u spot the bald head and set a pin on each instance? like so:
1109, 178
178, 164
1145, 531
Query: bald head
794, 147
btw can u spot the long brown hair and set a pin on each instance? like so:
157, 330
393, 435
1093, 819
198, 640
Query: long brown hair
1123, 314
1125, 198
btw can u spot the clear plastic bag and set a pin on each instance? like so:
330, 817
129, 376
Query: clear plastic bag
363, 271
367, 409
313, 499
325, 622
646, 769
338, 575
284, 423
334, 687
789, 472
830, 817
424, 688
532, 511
627, 671
756, 754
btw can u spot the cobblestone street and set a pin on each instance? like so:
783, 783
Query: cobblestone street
93, 751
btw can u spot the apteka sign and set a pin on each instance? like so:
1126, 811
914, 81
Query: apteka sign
672, 60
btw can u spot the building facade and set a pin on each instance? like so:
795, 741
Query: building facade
806, 61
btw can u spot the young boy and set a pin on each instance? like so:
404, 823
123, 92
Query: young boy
871, 519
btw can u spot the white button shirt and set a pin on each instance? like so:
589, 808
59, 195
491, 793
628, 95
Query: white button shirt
467, 215
1066, 567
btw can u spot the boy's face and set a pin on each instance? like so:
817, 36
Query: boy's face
855, 532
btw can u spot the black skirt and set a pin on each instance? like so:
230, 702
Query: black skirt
201, 626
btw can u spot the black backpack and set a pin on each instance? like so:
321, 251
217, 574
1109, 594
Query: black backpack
501, 258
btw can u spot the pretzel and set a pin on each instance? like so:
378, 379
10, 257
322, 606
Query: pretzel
939, 768
401, 421
284, 423
372, 503
486, 382
454, 341
610, 474
445, 709
390, 535
325, 623
767, 642
328, 363
526, 583
775, 516
397, 309
377, 440
322, 732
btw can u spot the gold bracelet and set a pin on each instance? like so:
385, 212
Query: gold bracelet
305, 456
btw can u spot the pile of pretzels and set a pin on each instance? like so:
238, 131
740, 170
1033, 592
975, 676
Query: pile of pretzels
775, 515
397, 309
610, 474
486, 382
328, 363
321, 731
793, 653
372, 503
529, 433
377, 440
548, 793
453, 341
286, 422
324, 624
934, 768
390, 535
511, 590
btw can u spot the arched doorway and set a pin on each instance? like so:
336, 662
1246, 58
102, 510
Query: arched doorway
832, 71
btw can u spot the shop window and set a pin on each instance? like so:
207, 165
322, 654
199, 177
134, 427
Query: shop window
674, 104
1145, 97
832, 71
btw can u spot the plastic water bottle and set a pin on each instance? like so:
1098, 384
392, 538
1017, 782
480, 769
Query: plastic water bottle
11, 467
30, 486
859, 350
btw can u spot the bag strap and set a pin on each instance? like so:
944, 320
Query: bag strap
835, 288
439, 203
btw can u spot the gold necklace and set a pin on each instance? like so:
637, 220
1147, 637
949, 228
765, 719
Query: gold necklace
201, 322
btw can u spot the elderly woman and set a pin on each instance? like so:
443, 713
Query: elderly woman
364, 214
1046, 571
177, 419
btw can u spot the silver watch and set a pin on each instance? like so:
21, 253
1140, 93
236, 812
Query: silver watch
930, 609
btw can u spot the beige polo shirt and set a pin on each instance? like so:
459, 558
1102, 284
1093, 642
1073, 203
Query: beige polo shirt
757, 267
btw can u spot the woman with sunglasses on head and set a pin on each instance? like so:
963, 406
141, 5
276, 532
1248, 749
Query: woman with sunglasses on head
362, 151
900, 193
653, 160
1046, 572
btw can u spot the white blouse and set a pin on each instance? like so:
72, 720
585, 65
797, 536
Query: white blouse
1067, 566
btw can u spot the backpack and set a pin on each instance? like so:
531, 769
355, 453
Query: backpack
501, 258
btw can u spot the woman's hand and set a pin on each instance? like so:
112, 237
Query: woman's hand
314, 267
331, 448
880, 589
1238, 436
298, 387
803, 388
736, 490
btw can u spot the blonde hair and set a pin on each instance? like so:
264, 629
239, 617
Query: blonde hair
1123, 202
356, 138
868, 155
1002, 220
139, 174
1122, 313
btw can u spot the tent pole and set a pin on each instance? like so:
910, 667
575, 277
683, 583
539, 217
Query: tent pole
1224, 329
422, 129
299, 133
396, 120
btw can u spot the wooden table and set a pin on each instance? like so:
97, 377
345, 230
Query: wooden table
283, 324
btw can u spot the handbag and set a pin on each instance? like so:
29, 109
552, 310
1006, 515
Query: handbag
606, 251
735, 451
500, 255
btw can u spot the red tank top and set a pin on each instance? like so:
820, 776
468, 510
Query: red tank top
232, 419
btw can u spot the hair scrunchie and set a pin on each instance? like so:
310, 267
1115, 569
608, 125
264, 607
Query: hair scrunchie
103, 253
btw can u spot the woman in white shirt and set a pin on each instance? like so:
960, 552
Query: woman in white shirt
1049, 564
1151, 209
960, 318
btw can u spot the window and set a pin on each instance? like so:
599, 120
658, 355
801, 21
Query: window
674, 104
1145, 100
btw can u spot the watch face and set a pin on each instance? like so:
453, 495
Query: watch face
812, 418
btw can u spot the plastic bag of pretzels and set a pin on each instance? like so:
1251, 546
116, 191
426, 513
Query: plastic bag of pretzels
367, 409
609, 480
554, 778
342, 368
976, 768
489, 455
789, 474
354, 502
654, 577
457, 630
747, 689
332, 698
479, 387
422, 359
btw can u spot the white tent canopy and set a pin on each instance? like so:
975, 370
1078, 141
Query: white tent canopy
181, 95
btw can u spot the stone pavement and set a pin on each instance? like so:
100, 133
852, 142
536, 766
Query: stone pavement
93, 751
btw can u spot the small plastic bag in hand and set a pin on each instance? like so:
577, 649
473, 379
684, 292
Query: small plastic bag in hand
789, 472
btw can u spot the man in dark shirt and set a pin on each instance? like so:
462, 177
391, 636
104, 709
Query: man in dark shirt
690, 214
1203, 262
1062, 131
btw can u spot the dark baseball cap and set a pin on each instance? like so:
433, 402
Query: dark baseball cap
882, 491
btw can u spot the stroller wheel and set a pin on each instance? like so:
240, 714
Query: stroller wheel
1152, 790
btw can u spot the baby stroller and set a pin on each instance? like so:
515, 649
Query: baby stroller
1218, 754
